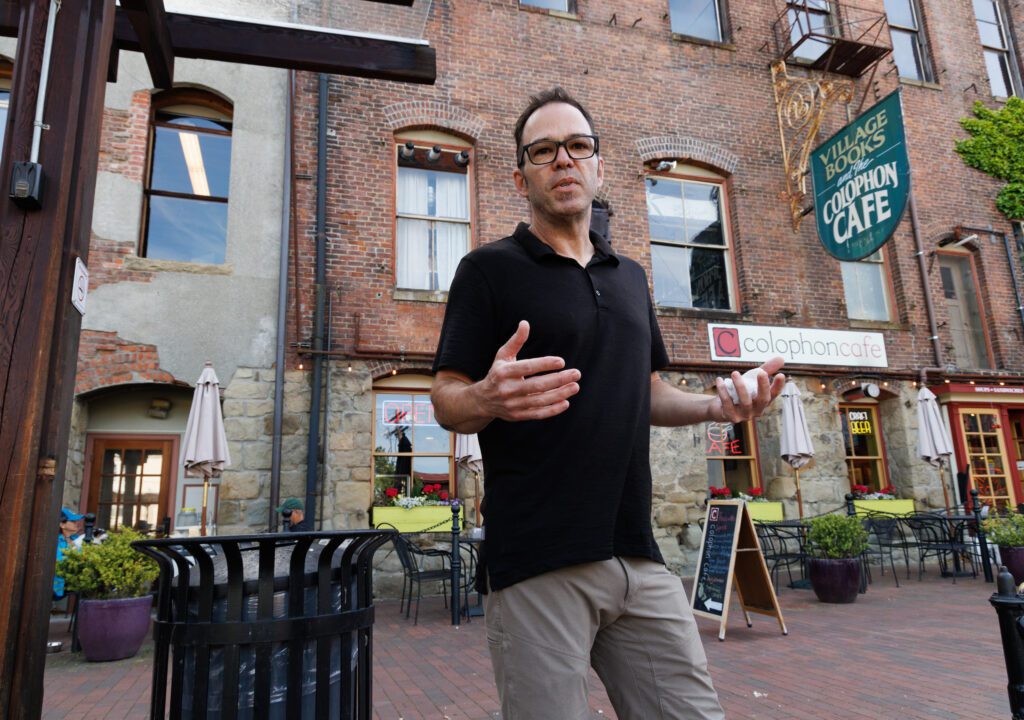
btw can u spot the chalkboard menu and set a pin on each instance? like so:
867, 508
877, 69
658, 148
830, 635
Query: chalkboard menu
711, 590
730, 553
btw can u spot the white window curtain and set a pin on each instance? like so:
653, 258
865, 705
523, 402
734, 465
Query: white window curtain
428, 252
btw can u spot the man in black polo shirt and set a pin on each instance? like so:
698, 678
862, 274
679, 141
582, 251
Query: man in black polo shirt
575, 578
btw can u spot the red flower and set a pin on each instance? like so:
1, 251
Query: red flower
755, 492
438, 486
721, 492
443, 495
428, 489
860, 489
391, 492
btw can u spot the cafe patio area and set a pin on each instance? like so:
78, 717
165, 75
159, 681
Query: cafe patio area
928, 649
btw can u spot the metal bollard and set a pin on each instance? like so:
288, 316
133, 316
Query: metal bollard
850, 509
90, 525
1010, 609
986, 563
456, 565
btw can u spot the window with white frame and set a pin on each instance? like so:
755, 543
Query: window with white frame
908, 49
867, 288
433, 220
690, 246
810, 18
697, 18
1002, 75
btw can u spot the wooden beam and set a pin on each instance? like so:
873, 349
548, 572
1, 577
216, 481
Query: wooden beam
275, 45
149, 21
291, 46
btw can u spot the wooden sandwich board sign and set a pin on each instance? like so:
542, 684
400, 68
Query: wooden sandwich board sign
730, 552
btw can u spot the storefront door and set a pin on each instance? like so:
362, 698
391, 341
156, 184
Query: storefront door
129, 481
986, 456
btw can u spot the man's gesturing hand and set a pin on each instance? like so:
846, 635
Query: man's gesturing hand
510, 391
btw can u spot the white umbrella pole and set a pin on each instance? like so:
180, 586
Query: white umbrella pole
945, 492
206, 490
799, 498
476, 497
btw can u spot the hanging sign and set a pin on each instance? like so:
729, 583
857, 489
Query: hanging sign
862, 181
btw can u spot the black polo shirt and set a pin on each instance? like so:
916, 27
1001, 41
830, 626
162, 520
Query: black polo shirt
574, 488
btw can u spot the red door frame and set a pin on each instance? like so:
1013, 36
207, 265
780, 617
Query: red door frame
960, 444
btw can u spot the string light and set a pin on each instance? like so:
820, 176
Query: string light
350, 367
885, 383
947, 381
1002, 382
972, 382
300, 366
394, 371
823, 386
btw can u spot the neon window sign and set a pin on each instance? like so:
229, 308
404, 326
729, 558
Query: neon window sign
405, 412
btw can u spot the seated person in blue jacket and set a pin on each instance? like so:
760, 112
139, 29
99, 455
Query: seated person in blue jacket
70, 537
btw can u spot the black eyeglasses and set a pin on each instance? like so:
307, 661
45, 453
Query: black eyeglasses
544, 152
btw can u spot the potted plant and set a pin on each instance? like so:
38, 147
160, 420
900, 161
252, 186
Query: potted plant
1008, 533
884, 500
835, 543
429, 510
113, 582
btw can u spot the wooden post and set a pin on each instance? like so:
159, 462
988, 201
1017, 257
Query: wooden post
38, 325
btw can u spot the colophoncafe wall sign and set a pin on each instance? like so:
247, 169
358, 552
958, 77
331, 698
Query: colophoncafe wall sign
861, 181
799, 346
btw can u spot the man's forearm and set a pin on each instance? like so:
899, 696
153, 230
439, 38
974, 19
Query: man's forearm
457, 408
671, 407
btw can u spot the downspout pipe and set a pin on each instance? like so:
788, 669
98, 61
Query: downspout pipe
929, 307
316, 388
282, 306
1013, 276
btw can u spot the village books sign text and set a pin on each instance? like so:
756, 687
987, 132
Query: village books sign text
862, 182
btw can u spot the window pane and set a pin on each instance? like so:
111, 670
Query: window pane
991, 36
5, 97
703, 223
387, 474
451, 242
906, 54
665, 211
190, 162
998, 73
671, 266
562, 5
433, 193
697, 18
901, 13
430, 471
187, 230
986, 10
727, 440
708, 282
802, 23
428, 253
394, 414
427, 435
864, 285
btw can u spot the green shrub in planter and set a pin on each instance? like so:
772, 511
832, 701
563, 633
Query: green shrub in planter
837, 536
1005, 531
112, 569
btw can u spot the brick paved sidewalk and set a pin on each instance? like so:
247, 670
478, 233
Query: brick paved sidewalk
924, 650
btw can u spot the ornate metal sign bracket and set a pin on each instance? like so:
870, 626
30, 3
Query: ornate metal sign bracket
801, 104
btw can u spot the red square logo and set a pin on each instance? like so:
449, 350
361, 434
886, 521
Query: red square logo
727, 341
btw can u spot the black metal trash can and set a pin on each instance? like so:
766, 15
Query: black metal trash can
265, 626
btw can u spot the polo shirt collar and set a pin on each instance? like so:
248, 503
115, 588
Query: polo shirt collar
538, 249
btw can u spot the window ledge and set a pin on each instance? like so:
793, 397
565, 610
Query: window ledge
729, 315
548, 11
693, 40
431, 296
876, 325
150, 264
920, 83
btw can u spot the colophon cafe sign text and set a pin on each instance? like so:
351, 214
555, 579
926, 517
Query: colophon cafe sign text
803, 346
862, 181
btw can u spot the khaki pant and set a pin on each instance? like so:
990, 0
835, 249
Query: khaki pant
626, 617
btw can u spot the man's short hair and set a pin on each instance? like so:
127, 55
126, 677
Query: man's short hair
554, 95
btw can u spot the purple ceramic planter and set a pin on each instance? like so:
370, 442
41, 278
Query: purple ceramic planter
835, 581
1013, 559
113, 629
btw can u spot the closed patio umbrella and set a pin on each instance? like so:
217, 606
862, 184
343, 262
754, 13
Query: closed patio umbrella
204, 449
933, 445
468, 456
796, 446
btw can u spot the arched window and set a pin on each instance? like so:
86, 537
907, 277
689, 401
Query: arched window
433, 220
185, 207
6, 70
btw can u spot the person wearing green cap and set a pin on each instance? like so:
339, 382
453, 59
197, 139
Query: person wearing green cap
294, 512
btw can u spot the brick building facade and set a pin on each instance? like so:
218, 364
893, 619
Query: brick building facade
682, 105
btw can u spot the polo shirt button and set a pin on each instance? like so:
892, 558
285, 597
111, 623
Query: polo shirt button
598, 292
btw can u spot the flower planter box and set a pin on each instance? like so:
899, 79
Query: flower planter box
765, 511
890, 507
426, 518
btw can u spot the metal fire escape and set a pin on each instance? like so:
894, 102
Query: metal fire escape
824, 38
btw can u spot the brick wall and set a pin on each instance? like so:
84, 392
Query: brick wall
105, 359
652, 97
